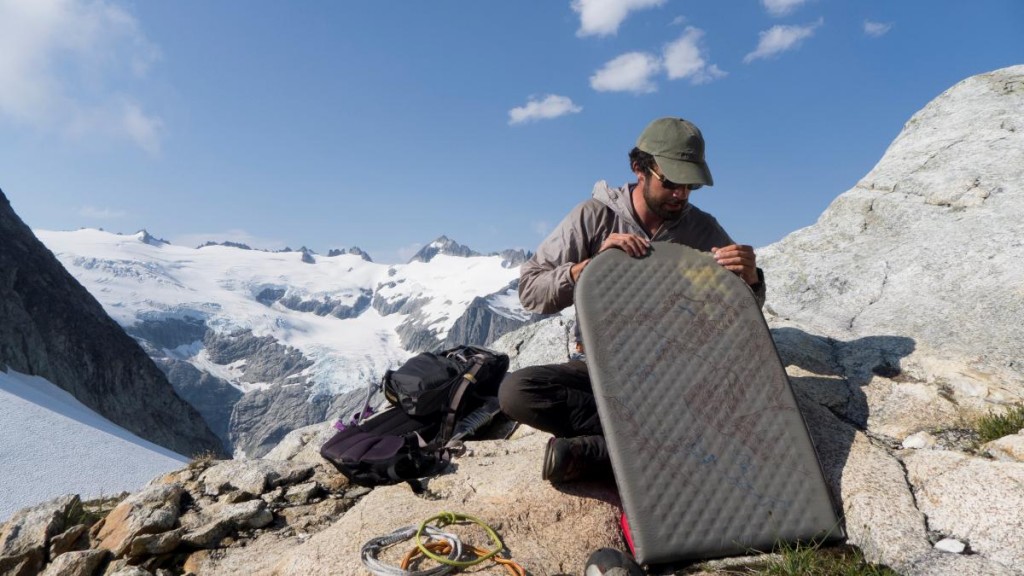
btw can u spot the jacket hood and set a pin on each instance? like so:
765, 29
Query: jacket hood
618, 199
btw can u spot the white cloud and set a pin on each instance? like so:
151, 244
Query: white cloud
65, 66
550, 106
876, 29
782, 7
143, 129
779, 39
630, 72
102, 213
685, 58
634, 72
602, 17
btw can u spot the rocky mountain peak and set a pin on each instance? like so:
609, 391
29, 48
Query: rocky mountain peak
512, 258
227, 243
355, 251
443, 245
147, 238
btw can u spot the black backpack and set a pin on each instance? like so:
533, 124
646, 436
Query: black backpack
437, 399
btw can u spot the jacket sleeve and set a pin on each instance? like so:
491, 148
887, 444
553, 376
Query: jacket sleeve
545, 285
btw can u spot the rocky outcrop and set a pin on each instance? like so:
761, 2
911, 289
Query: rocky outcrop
276, 517
26, 538
129, 527
50, 326
355, 251
897, 314
928, 245
174, 523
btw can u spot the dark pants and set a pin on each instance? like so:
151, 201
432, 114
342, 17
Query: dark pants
555, 398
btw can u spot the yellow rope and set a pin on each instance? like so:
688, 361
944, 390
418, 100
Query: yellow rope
445, 518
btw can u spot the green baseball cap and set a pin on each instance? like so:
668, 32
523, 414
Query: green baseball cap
678, 148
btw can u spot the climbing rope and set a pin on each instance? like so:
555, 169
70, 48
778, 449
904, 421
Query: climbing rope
513, 567
445, 518
373, 547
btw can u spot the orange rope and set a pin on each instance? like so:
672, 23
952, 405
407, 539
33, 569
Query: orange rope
511, 566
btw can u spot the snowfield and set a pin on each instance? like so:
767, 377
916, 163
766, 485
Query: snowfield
51, 444
138, 278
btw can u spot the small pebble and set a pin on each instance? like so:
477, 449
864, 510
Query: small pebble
919, 440
950, 545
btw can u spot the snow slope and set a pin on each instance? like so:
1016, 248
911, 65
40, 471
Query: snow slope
51, 444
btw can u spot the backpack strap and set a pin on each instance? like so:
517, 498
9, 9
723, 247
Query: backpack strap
366, 411
448, 428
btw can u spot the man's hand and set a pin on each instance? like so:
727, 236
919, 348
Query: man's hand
631, 244
740, 259
577, 269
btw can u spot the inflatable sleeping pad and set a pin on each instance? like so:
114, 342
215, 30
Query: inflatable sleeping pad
711, 454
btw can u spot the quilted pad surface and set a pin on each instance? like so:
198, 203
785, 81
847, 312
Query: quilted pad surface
711, 454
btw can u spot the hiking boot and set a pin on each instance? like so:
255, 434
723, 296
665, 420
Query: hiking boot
611, 562
579, 458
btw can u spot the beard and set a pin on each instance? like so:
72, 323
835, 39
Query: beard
659, 207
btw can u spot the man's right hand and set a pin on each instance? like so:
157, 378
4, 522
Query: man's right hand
631, 244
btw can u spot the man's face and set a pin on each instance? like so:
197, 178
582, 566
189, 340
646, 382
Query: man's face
666, 204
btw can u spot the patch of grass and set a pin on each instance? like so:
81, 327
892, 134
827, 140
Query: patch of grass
202, 461
994, 426
813, 560
807, 559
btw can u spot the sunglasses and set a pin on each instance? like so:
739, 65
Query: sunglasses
670, 185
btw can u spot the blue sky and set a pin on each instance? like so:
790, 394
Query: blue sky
386, 124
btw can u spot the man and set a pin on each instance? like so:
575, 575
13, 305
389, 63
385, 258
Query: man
669, 164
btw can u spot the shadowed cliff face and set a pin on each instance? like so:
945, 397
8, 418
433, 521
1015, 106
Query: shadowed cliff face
50, 326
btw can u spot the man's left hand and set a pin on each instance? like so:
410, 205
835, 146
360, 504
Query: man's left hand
740, 259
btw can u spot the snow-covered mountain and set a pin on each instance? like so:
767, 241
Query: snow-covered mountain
263, 342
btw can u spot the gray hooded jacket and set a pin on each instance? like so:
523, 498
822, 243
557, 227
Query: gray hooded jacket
545, 285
